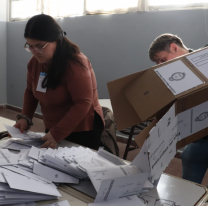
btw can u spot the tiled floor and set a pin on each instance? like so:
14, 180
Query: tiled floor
174, 168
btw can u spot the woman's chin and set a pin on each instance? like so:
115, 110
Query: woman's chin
41, 60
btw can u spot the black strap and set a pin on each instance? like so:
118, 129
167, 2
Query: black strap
4, 134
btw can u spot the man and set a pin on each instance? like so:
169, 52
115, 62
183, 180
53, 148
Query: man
195, 156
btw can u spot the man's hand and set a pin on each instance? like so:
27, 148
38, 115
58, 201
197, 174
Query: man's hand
50, 141
21, 124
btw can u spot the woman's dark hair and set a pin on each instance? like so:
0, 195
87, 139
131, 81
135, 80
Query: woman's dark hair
44, 28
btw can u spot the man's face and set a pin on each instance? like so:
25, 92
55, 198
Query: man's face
173, 52
164, 56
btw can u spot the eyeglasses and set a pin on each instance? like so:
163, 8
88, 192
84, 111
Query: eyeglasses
38, 49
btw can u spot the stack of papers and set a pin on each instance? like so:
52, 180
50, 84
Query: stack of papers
22, 140
41, 167
20, 188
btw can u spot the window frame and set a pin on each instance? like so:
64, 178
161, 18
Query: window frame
179, 7
85, 12
17, 19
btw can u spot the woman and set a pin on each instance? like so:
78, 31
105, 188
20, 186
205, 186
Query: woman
62, 80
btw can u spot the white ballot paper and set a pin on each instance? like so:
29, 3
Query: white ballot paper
178, 77
53, 175
8, 158
168, 121
142, 159
124, 201
14, 132
121, 187
20, 182
110, 157
36, 152
97, 175
16, 146
71, 169
161, 145
161, 156
5, 143
92, 161
62, 203
27, 174
193, 120
200, 61
162, 139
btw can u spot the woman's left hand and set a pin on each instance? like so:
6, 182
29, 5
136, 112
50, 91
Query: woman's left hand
50, 141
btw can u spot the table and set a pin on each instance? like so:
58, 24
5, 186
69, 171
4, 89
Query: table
106, 103
171, 191
73, 201
175, 190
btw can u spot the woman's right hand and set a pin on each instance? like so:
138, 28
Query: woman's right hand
21, 124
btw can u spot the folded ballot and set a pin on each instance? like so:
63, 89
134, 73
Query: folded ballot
98, 174
15, 133
17, 188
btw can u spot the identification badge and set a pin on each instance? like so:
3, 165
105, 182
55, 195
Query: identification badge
39, 86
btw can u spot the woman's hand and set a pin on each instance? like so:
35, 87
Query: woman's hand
50, 141
21, 124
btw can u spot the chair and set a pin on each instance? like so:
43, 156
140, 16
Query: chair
131, 131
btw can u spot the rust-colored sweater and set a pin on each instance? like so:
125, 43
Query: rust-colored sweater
68, 108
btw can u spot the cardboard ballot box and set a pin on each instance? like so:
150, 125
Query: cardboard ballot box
150, 93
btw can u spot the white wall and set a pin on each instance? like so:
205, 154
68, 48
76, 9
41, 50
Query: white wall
3, 51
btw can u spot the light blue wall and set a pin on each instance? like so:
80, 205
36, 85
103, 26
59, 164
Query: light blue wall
117, 45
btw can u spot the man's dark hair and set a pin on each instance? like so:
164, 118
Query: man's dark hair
44, 28
162, 43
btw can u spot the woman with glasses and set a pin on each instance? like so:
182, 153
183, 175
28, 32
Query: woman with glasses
62, 80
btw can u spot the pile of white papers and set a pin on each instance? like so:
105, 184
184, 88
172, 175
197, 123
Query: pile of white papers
20, 188
23, 140
111, 177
